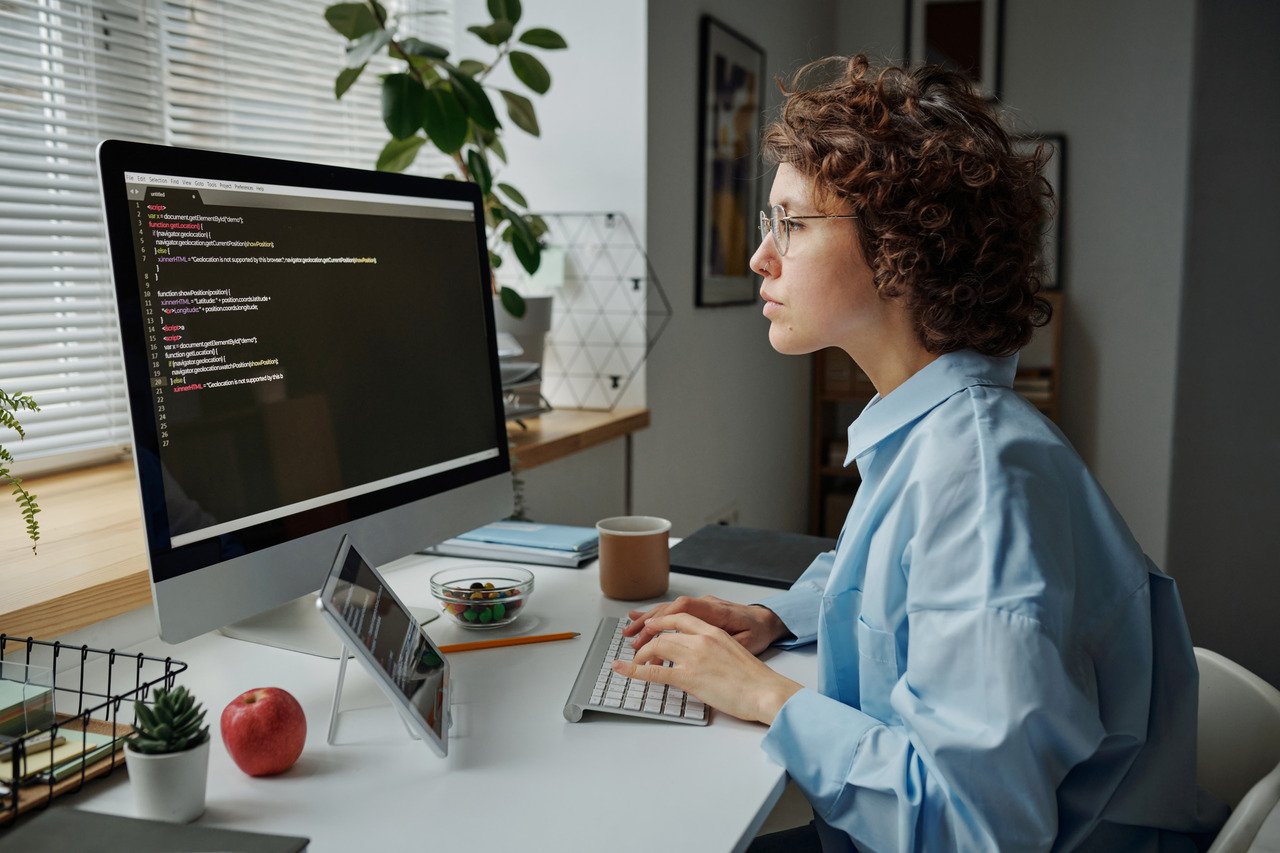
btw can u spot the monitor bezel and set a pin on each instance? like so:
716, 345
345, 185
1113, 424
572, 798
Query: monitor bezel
115, 159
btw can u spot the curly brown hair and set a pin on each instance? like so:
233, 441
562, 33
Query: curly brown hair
948, 213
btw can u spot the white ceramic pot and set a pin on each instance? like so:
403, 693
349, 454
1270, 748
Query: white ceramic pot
169, 786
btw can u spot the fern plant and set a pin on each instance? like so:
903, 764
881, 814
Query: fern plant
10, 405
172, 724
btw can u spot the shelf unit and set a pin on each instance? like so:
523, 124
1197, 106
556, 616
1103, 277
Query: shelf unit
841, 390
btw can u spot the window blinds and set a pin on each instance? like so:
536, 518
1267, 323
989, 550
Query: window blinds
232, 75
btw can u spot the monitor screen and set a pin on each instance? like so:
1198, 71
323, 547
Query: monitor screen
307, 349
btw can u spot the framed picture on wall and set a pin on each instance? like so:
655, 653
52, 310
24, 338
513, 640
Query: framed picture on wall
963, 35
731, 90
1055, 172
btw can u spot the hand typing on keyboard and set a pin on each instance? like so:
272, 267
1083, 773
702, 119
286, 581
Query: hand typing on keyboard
754, 626
703, 660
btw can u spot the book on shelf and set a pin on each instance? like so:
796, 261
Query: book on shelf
524, 542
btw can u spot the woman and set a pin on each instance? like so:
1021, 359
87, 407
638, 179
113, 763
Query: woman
1001, 668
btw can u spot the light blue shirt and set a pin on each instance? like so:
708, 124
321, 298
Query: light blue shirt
1001, 667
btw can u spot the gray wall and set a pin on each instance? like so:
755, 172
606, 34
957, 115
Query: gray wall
730, 416
1224, 544
1115, 79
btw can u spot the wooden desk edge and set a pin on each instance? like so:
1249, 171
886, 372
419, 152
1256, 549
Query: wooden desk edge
95, 595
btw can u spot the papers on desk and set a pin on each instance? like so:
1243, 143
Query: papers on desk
524, 542
79, 748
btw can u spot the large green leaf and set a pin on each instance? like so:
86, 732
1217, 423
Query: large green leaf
359, 51
521, 111
495, 33
346, 77
505, 10
544, 38
399, 153
529, 256
403, 101
351, 19
417, 47
479, 170
444, 119
473, 98
530, 71
513, 194
471, 67
512, 302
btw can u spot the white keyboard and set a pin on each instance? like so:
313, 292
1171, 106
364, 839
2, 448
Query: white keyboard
599, 688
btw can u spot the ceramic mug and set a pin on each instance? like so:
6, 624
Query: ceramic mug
634, 556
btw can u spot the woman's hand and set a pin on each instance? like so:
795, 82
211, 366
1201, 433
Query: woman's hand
708, 663
752, 625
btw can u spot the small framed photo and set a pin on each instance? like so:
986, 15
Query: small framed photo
1055, 172
963, 35
731, 95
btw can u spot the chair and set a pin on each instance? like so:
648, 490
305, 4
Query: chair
1238, 746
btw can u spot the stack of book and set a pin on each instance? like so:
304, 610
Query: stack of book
524, 542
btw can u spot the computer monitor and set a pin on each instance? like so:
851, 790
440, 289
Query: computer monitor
309, 352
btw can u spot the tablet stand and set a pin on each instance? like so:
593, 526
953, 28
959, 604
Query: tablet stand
343, 656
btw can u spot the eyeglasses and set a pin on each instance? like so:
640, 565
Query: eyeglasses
779, 223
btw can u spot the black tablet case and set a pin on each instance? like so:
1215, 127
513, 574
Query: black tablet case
748, 555
62, 829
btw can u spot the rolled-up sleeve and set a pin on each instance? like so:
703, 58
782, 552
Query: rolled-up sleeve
799, 606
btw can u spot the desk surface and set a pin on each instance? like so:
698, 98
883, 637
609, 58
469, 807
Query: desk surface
518, 776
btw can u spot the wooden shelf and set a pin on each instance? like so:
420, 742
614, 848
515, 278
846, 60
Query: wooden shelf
92, 555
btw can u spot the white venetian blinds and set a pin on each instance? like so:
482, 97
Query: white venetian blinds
72, 72
234, 75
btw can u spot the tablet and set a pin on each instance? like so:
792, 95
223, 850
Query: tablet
383, 635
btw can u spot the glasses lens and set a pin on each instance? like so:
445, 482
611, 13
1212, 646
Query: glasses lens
778, 225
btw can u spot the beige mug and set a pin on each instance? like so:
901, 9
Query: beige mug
635, 561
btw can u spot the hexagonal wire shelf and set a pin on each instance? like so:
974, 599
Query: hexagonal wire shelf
607, 315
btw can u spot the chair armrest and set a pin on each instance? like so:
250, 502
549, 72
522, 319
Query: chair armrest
1240, 830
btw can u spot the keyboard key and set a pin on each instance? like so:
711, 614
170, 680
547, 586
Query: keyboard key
612, 701
632, 704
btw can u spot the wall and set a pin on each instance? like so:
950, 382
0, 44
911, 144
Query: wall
590, 157
1224, 541
730, 416
1115, 79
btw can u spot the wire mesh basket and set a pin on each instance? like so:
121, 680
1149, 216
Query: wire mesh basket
73, 710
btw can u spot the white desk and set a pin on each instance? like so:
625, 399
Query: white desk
518, 776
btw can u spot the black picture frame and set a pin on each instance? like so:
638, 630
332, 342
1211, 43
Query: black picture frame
963, 35
731, 72
1053, 239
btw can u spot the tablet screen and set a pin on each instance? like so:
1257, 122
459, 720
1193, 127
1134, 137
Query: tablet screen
392, 637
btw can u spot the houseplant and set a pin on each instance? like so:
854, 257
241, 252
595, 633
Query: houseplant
10, 405
168, 757
447, 103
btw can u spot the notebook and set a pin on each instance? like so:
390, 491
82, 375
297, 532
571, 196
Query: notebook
747, 554
61, 829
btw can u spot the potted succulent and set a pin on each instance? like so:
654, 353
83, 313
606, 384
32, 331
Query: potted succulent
168, 757
447, 102
10, 405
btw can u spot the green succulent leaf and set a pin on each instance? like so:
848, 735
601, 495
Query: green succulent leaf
403, 104
473, 99
346, 78
530, 71
425, 49
398, 154
521, 111
513, 194
444, 119
472, 67
544, 38
512, 302
351, 19
505, 10
360, 50
495, 33
479, 171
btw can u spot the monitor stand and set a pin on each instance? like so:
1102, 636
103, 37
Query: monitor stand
298, 627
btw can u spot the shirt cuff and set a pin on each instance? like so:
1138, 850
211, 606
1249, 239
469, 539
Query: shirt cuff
798, 609
815, 738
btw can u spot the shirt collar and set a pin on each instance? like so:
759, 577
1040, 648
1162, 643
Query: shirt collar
938, 380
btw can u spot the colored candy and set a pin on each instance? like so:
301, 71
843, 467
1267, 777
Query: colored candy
482, 603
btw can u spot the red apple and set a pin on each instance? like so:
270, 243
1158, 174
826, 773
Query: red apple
264, 730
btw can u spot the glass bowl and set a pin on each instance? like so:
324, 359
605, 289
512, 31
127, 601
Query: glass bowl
482, 596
